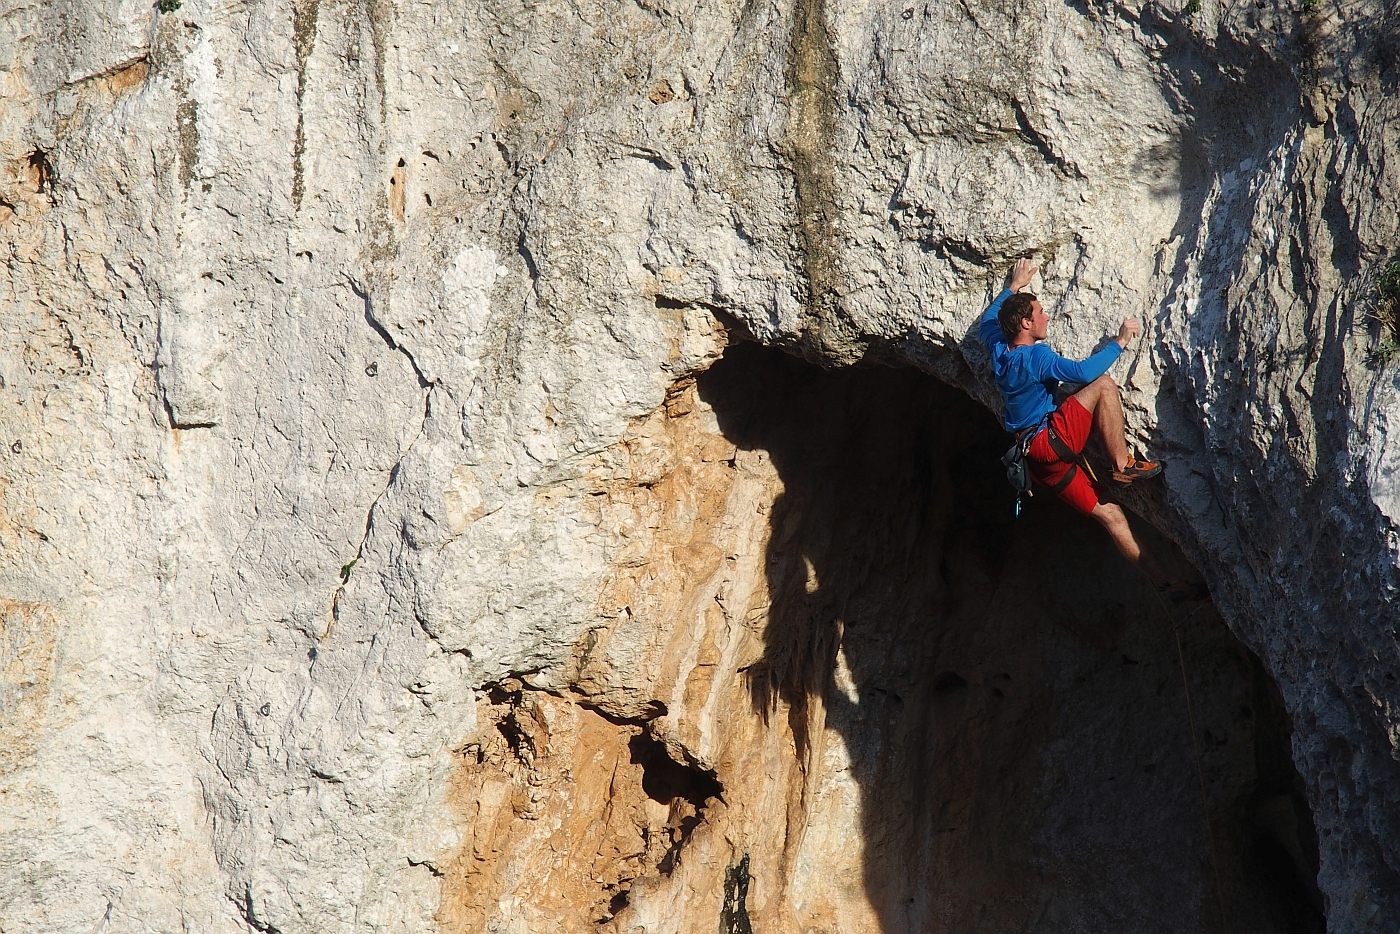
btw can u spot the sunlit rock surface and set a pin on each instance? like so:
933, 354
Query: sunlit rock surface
403, 529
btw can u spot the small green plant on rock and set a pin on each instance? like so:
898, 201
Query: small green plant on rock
1191, 9
1386, 311
168, 6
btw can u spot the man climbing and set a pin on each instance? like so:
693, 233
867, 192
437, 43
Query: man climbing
1027, 373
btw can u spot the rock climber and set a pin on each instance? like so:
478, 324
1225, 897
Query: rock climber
1027, 373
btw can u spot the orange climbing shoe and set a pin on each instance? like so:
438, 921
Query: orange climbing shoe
1137, 470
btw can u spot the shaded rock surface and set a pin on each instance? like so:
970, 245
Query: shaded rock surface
402, 528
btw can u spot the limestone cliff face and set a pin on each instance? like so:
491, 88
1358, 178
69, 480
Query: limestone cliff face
403, 526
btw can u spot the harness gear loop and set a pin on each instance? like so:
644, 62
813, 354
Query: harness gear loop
1015, 461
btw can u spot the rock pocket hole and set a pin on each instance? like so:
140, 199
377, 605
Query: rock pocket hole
39, 175
683, 789
949, 684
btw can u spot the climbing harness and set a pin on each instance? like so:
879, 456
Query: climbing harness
1018, 472
1067, 455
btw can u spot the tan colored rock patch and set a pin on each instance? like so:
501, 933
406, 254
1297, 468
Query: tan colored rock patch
558, 816
28, 633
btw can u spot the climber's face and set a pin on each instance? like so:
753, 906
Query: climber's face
1040, 321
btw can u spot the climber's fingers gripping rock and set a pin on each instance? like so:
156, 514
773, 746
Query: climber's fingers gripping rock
1021, 274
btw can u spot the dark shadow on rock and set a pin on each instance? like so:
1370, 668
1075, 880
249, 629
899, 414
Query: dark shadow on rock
1275, 325
1007, 691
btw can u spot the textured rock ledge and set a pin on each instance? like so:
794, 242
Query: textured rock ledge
370, 516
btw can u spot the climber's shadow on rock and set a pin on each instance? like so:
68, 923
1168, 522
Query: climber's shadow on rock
1004, 692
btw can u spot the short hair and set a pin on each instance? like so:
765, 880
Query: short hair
1013, 311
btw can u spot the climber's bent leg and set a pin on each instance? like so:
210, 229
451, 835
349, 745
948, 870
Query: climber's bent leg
1101, 398
1115, 522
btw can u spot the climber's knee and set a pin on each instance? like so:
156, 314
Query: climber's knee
1090, 395
1115, 522
1111, 516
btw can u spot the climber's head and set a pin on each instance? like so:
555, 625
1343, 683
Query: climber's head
1022, 312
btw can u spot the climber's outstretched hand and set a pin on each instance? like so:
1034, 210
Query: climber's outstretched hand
1021, 274
1128, 331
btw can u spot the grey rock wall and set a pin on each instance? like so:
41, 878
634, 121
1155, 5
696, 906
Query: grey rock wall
327, 325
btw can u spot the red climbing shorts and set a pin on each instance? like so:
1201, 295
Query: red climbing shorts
1072, 423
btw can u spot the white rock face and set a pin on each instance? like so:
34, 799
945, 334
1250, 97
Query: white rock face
347, 373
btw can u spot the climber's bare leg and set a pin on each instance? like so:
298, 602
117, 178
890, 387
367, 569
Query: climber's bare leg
1101, 399
1115, 521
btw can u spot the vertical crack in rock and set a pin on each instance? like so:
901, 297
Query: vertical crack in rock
428, 387
812, 78
378, 328
187, 133
363, 293
304, 17
380, 15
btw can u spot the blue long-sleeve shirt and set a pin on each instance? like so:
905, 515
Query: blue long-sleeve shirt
1027, 376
